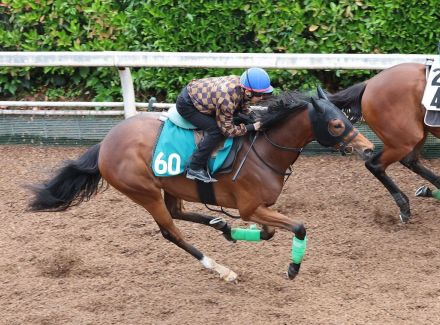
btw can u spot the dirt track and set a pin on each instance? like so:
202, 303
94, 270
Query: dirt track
105, 262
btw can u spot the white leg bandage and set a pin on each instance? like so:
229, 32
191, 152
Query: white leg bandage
225, 273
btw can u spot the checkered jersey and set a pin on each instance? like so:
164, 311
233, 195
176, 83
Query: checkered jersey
220, 96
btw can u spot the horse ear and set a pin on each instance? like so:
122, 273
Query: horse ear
316, 105
321, 93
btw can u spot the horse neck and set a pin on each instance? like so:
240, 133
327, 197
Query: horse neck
295, 132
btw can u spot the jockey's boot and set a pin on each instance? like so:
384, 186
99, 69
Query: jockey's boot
200, 174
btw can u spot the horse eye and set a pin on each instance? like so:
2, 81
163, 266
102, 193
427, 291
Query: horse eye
336, 128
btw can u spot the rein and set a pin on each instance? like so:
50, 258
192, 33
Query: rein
245, 157
221, 210
273, 169
281, 147
291, 149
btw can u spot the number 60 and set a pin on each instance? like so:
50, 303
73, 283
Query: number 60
172, 166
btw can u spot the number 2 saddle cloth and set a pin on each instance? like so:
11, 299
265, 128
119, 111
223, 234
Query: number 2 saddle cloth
177, 141
431, 96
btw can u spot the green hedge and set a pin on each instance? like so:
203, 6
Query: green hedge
265, 26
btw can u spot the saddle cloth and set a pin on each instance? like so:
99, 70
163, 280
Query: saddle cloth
175, 145
431, 95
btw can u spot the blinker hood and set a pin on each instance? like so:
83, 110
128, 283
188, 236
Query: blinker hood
320, 113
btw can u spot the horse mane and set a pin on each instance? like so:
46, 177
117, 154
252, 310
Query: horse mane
281, 106
349, 101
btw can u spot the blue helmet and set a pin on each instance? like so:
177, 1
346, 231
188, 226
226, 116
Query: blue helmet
256, 80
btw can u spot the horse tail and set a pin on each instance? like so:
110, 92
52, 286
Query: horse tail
349, 101
72, 184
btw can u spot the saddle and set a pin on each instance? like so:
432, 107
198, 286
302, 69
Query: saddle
170, 157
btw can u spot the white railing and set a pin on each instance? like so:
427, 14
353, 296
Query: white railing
206, 60
124, 60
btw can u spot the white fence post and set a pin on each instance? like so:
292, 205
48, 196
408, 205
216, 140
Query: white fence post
127, 92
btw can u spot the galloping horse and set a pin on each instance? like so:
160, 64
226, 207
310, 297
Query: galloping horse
123, 159
391, 104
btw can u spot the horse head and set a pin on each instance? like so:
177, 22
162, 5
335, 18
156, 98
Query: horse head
333, 129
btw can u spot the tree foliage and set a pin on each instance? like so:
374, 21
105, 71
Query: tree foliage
265, 26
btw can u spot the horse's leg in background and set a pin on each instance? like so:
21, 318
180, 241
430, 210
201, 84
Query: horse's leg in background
175, 207
412, 162
398, 144
377, 166
270, 219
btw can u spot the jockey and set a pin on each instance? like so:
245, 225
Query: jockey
210, 104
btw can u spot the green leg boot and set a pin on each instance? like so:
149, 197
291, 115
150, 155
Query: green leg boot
436, 194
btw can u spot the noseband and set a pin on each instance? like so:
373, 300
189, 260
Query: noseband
344, 144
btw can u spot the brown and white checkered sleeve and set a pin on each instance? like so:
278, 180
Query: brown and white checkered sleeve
225, 115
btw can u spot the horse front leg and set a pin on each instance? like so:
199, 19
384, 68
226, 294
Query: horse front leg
377, 168
269, 219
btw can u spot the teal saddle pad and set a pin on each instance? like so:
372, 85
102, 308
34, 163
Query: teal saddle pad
175, 146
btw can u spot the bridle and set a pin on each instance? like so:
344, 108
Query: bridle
343, 141
344, 144
325, 138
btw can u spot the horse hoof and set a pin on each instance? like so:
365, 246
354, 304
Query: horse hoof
291, 276
293, 270
220, 224
404, 217
230, 277
423, 191
229, 238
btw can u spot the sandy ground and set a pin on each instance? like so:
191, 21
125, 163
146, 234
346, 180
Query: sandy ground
105, 262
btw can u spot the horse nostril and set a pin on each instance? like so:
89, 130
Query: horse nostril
367, 154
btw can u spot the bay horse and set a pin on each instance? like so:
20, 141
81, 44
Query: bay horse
391, 105
123, 159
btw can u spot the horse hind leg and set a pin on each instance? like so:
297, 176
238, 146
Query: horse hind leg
175, 207
161, 215
377, 166
412, 162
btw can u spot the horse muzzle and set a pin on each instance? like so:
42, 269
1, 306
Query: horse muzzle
356, 141
367, 154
